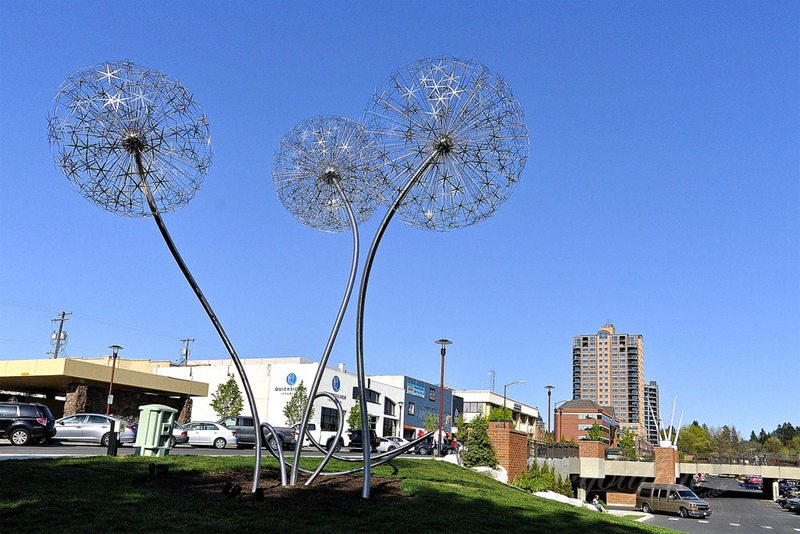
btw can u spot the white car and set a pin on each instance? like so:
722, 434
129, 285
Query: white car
208, 434
391, 443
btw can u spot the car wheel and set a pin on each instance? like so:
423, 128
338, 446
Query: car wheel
20, 436
392, 448
105, 439
684, 513
220, 443
646, 508
272, 444
172, 442
424, 451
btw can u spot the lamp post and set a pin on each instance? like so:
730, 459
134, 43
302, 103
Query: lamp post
114, 352
549, 393
400, 420
504, 398
443, 342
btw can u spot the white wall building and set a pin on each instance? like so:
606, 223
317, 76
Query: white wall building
274, 381
481, 401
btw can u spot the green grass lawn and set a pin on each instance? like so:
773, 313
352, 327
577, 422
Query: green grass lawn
103, 494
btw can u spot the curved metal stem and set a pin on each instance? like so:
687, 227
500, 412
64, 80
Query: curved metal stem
362, 294
312, 393
207, 307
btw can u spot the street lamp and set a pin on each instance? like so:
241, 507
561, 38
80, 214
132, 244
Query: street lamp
549, 393
400, 420
443, 342
114, 351
504, 398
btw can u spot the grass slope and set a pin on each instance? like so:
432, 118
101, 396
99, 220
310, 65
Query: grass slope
104, 494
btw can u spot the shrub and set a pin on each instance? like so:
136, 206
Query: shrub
479, 450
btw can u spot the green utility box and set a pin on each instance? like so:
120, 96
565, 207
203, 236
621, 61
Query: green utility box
155, 430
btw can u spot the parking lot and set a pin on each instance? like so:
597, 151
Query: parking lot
735, 510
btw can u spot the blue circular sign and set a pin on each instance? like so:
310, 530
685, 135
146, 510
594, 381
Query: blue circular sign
291, 378
336, 383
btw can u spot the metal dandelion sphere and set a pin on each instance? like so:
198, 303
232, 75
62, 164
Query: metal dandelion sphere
470, 119
322, 164
108, 116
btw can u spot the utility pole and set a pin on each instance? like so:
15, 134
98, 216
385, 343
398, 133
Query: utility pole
58, 335
185, 350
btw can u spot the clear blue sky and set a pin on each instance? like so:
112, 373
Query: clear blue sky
661, 193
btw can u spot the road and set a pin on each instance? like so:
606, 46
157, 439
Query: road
55, 450
734, 511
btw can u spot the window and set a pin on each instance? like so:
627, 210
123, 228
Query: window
330, 419
646, 493
388, 409
473, 407
412, 408
372, 396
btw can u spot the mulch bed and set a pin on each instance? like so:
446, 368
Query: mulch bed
325, 492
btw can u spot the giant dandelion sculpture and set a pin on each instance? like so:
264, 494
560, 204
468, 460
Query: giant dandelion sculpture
325, 174
134, 142
453, 143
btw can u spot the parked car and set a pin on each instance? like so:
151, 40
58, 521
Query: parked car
208, 434
386, 445
427, 447
93, 428
793, 504
24, 423
673, 498
354, 436
244, 427
400, 442
753, 482
179, 435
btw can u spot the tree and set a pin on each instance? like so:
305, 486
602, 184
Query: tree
595, 433
354, 417
479, 449
627, 442
431, 422
762, 437
695, 439
773, 445
293, 411
500, 414
461, 426
794, 445
227, 400
786, 432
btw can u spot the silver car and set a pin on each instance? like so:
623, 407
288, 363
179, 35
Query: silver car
93, 428
206, 433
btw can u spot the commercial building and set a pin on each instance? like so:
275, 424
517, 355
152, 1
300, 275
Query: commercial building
481, 402
608, 368
575, 418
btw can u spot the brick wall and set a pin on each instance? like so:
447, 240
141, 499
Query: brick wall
511, 447
621, 498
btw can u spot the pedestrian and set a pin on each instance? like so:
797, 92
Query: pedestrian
596, 504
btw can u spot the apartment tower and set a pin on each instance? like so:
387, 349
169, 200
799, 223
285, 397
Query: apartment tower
608, 368
652, 413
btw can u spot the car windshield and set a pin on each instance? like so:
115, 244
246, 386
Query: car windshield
688, 495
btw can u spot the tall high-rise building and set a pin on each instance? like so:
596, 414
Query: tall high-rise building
608, 368
652, 412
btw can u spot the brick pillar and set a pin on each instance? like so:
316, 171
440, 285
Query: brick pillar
511, 447
591, 449
665, 458
77, 399
621, 499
